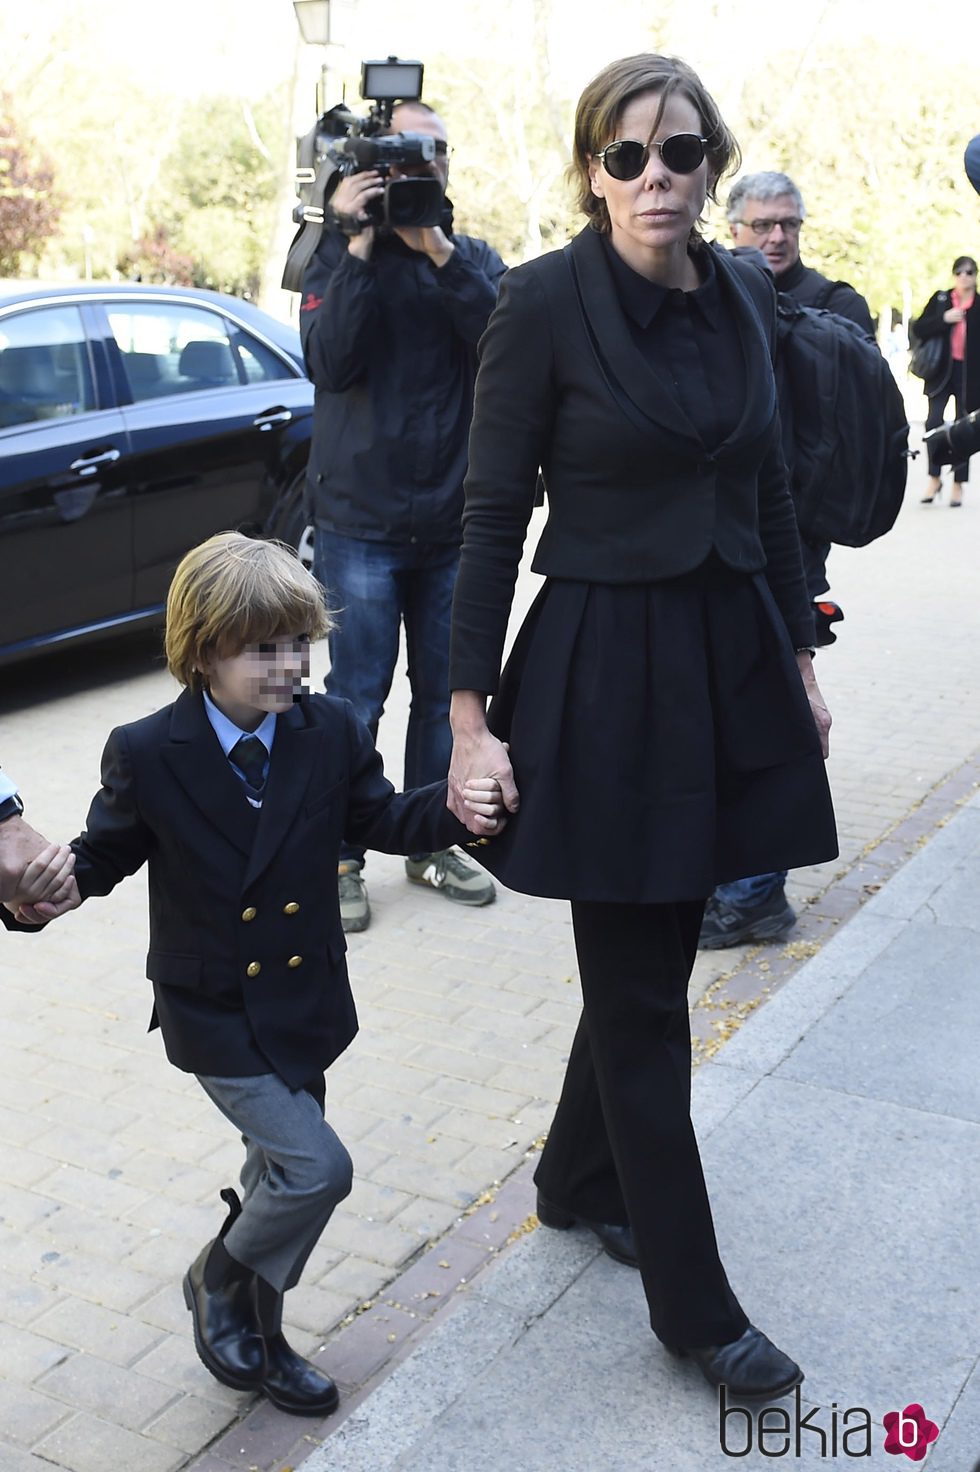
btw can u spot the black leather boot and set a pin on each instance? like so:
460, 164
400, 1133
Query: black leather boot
291, 1383
220, 1294
617, 1240
751, 1367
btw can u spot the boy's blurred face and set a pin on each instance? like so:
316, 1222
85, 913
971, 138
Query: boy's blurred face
265, 677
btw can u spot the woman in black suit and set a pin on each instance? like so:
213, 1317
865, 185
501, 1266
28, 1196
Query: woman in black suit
660, 695
953, 315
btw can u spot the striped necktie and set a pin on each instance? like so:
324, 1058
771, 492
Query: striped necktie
250, 756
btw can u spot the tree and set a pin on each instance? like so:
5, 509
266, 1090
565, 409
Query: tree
29, 212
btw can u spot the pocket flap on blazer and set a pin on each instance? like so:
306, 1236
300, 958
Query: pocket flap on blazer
173, 970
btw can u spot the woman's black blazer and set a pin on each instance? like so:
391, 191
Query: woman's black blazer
931, 324
634, 493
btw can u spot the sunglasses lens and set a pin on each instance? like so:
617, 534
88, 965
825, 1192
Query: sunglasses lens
625, 160
682, 152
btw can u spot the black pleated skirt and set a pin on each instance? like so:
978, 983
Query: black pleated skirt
662, 742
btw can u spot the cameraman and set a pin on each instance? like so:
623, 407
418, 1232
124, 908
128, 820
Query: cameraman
390, 320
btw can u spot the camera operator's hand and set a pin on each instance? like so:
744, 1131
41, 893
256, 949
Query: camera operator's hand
433, 243
351, 197
953, 314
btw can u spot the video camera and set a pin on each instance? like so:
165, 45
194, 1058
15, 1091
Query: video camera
953, 444
340, 144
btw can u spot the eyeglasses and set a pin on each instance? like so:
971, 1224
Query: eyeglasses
682, 153
965, 271
791, 225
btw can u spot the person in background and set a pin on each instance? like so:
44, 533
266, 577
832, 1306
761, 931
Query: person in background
953, 316
390, 319
767, 210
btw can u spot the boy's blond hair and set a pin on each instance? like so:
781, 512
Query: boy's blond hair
235, 590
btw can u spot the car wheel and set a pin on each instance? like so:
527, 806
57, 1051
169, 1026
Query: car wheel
294, 527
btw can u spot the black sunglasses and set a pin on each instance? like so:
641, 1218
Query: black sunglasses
682, 153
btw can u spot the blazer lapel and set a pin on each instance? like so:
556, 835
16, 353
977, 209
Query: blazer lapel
650, 392
296, 751
195, 757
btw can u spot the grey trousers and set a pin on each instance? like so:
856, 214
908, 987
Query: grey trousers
296, 1171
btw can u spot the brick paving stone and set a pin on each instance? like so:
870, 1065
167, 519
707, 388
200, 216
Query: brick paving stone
22, 1301
12, 1459
25, 1355
376, 1201
165, 1309
174, 1361
77, 1229
191, 1423
89, 1383
87, 1443
26, 1415
355, 1278
114, 1337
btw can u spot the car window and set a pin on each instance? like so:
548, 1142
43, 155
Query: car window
168, 348
260, 364
45, 372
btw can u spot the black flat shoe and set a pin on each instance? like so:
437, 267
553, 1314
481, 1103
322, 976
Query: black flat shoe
617, 1240
227, 1333
294, 1385
751, 1367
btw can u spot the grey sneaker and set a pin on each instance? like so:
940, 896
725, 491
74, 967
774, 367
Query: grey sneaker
454, 875
355, 912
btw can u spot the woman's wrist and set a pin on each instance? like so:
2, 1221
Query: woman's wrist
467, 712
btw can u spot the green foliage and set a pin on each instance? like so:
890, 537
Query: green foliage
28, 210
877, 151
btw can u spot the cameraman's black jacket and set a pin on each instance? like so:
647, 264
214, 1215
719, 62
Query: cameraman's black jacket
391, 346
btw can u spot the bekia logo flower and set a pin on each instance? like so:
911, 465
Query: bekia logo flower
909, 1431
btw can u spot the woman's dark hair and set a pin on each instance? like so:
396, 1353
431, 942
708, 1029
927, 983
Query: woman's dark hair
963, 261
601, 106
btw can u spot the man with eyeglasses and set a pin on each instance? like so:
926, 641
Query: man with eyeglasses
390, 320
766, 210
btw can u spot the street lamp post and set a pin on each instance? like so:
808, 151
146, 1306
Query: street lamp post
313, 19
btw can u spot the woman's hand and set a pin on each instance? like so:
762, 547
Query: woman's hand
953, 314
818, 706
478, 759
47, 886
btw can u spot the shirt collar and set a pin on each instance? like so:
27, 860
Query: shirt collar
229, 734
642, 299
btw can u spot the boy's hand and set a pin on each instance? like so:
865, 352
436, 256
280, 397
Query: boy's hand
49, 874
482, 795
19, 844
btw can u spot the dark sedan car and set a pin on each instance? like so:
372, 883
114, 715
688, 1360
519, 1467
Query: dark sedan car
134, 422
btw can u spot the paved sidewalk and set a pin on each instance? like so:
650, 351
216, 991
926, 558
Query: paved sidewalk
841, 1138
110, 1161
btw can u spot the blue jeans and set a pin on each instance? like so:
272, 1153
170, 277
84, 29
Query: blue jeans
374, 586
747, 893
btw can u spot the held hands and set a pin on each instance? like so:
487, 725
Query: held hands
818, 706
47, 887
480, 769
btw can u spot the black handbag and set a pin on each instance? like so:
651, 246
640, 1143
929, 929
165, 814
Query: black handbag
927, 353
927, 357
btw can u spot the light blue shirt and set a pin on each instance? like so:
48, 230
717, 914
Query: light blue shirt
229, 735
7, 788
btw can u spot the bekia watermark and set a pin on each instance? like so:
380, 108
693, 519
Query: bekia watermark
777, 1432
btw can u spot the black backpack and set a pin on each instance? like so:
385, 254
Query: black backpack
844, 426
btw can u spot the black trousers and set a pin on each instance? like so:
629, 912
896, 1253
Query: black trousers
622, 1146
956, 390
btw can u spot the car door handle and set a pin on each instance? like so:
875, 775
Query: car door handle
89, 464
272, 418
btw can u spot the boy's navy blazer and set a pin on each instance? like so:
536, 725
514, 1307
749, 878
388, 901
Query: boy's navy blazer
244, 910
